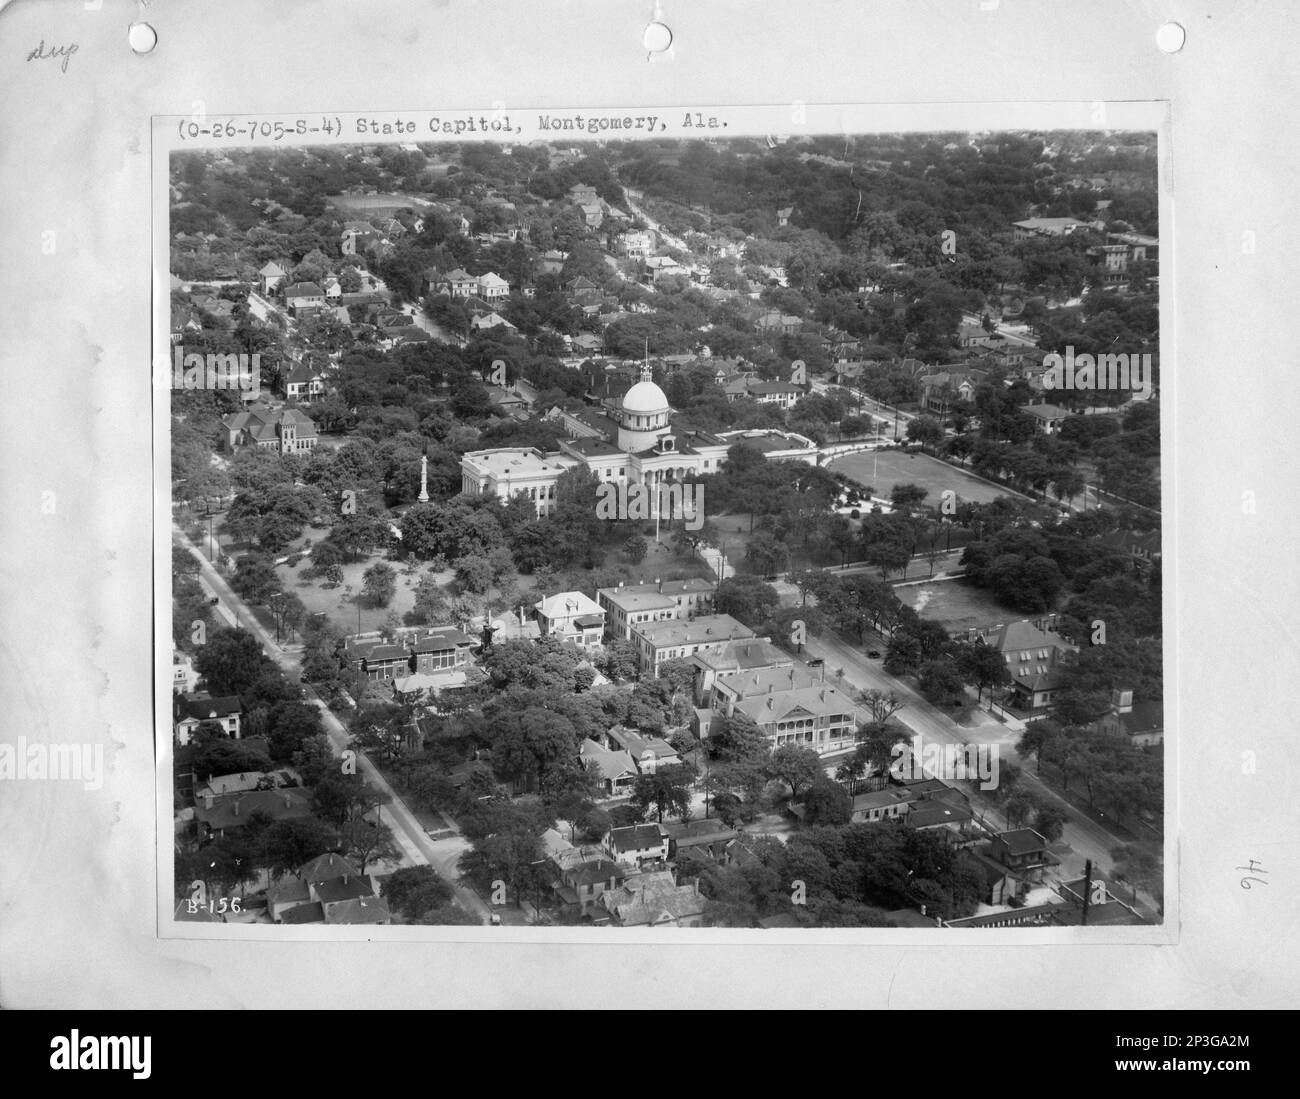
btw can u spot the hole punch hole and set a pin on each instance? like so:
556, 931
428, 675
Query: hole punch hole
142, 37
657, 38
1171, 37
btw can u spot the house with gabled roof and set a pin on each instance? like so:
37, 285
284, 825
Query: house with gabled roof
193, 709
572, 616
655, 900
1033, 658
216, 816
304, 382
637, 844
270, 275
304, 297
614, 770
287, 431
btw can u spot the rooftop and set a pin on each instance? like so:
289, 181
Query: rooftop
706, 628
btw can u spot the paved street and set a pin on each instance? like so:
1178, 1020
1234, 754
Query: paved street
417, 848
1083, 837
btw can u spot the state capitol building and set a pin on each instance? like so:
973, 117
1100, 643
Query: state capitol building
631, 441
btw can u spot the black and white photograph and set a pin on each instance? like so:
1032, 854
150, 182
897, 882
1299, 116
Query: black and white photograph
619, 505
626, 532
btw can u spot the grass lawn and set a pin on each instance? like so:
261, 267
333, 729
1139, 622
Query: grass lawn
883, 469
956, 604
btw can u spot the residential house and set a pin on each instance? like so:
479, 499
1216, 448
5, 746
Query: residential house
820, 716
888, 803
626, 606
783, 216
655, 900
579, 884
637, 844
636, 243
184, 677
1046, 227
773, 324
270, 276
193, 709
614, 770
1143, 723
707, 839
287, 431
583, 290
942, 390
592, 214
492, 287
303, 297
657, 641
1033, 657
572, 616
660, 267
241, 783
974, 335
218, 815
1047, 417
304, 383
486, 322
648, 753
424, 651
457, 283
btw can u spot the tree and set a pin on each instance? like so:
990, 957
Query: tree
982, 666
925, 430
473, 574
796, 766
288, 725
666, 788
940, 683
882, 704
826, 802
412, 891
430, 602
369, 840
230, 662
287, 844
876, 743
904, 497
1049, 822
618, 660
379, 584
636, 548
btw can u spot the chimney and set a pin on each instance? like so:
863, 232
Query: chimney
660, 583
237, 801
521, 614
288, 802
207, 800
769, 703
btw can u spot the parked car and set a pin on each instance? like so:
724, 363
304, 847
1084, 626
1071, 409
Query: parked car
874, 654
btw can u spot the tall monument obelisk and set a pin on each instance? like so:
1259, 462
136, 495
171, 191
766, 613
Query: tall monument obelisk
424, 479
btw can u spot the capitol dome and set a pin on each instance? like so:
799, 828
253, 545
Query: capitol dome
645, 399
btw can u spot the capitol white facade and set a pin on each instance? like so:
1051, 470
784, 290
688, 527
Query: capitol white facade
638, 446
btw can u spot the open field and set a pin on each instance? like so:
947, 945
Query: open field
883, 469
956, 604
